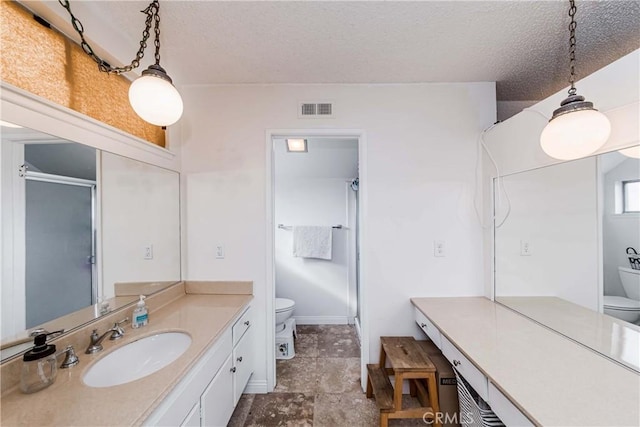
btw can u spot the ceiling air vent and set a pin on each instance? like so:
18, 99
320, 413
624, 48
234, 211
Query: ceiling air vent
308, 110
315, 110
324, 109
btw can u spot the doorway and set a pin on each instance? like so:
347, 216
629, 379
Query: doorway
319, 185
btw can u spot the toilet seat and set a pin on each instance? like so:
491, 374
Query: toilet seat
621, 303
284, 304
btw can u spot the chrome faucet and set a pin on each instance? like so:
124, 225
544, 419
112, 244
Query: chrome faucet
96, 340
70, 357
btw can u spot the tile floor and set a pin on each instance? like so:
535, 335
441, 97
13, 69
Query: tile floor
319, 387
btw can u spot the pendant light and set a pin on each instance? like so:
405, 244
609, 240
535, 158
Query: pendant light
152, 96
576, 129
633, 152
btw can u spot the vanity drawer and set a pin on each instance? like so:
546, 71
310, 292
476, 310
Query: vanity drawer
467, 369
508, 413
428, 328
241, 325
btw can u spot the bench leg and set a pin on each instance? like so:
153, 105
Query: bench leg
397, 392
384, 419
369, 387
433, 398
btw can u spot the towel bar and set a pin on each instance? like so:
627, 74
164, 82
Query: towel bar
285, 227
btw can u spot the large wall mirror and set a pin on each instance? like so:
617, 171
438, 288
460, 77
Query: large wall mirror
566, 250
83, 231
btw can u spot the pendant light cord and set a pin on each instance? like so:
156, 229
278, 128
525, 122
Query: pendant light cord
572, 47
481, 146
152, 12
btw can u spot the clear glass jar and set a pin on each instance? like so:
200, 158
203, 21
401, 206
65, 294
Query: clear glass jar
39, 366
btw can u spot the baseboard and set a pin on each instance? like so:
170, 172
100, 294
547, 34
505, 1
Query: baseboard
358, 331
321, 320
256, 387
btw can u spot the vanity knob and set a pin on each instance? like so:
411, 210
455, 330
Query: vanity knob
247, 323
423, 325
457, 363
233, 370
239, 359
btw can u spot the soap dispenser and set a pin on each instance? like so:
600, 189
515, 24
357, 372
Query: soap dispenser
39, 366
140, 316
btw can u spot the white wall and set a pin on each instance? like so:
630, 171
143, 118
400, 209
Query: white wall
553, 209
417, 179
620, 231
312, 189
139, 208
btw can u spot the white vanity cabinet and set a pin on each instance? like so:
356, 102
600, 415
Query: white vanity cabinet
242, 364
468, 370
207, 395
509, 414
217, 402
428, 328
505, 410
193, 419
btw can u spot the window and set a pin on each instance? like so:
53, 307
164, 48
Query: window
631, 196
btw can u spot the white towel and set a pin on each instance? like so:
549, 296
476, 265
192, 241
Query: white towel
312, 242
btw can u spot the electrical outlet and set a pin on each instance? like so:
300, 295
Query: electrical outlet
438, 248
525, 248
148, 252
220, 251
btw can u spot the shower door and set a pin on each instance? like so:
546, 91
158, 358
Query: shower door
59, 231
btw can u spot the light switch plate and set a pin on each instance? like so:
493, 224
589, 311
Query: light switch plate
220, 251
148, 252
525, 248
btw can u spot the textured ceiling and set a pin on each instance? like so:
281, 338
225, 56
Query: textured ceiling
523, 45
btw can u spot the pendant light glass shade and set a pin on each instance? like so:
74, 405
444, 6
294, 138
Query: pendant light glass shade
633, 152
575, 134
576, 129
154, 98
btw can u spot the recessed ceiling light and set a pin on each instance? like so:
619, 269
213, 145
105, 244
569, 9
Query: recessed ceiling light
9, 125
296, 145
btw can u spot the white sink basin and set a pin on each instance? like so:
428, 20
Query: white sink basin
137, 359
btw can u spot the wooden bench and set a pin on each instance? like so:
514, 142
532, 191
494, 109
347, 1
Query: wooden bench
407, 361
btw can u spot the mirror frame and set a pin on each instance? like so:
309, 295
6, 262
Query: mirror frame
28, 110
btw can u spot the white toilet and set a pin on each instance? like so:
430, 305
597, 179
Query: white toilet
285, 328
284, 310
625, 308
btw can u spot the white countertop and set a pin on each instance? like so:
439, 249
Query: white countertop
70, 402
612, 337
553, 380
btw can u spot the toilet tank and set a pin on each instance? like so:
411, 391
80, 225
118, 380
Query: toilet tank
630, 282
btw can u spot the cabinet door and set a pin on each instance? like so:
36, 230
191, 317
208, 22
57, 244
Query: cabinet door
243, 362
217, 400
193, 419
